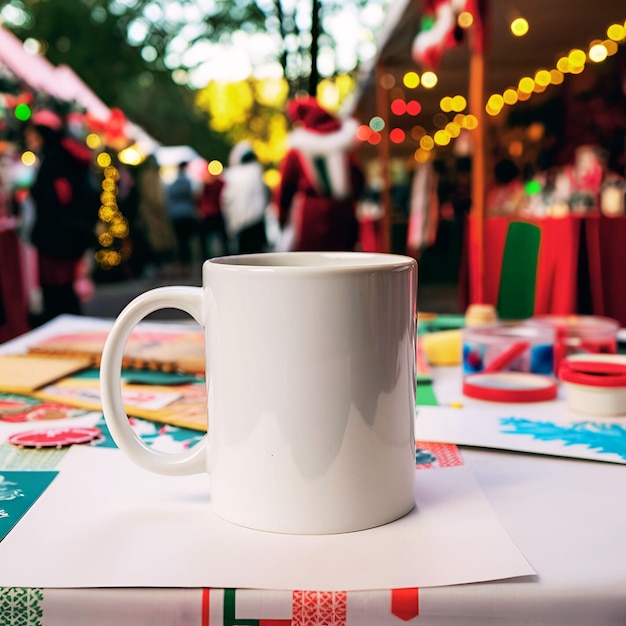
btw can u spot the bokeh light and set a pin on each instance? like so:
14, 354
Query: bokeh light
519, 27
411, 80
22, 112
215, 167
429, 79
28, 158
398, 107
397, 135
413, 107
377, 123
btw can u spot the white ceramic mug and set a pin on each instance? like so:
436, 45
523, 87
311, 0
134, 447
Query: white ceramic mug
310, 369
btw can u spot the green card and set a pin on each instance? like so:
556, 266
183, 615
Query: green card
19, 490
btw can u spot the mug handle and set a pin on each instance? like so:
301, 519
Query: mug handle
192, 461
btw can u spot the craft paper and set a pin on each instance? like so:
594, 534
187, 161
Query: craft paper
541, 429
18, 492
112, 524
22, 374
183, 405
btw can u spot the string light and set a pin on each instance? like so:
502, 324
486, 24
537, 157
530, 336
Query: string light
216, 167
411, 80
429, 79
377, 123
465, 19
519, 27
28, 158
22, 112
573, 63
116, 225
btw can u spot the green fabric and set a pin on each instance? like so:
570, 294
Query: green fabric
516, 295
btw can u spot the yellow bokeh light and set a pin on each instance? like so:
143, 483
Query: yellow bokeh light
108, 199
459, 119
526, 85
597, 53
519, 27
563, 65
103, 159
411, 80
465, 19
579, 69
458, 103
427, 142
445, 104
491, 111
105, 239
442, 138
496, 101
130, 156
470, 122
454, 130
215, 167
576, 58
28, 158
421, 155
106, 213
509, 96
429, 79
556, 77
542, 77
93, 141
111, 172
611, 47
272, 178
615, 32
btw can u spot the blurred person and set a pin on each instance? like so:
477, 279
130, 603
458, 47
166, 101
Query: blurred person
153, 213
182, 210
66, 212
321, 179
212, 226
244, 200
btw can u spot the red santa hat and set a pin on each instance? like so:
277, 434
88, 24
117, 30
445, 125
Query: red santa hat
312, 116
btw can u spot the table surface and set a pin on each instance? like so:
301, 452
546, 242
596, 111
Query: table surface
567, 516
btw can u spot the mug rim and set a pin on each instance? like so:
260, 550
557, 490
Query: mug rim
317, 262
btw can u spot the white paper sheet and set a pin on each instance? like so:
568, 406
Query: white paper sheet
542, 428
106, 523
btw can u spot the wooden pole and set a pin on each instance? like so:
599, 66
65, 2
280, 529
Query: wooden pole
479, 192
382, 110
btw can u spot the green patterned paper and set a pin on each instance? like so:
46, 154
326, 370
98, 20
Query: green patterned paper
18, 492
20, 607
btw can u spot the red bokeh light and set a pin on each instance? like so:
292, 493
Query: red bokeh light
363, 132
374, 138
413, 107
398, 107
397, 135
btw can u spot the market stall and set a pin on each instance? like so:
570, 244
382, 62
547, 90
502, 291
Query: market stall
414, 123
